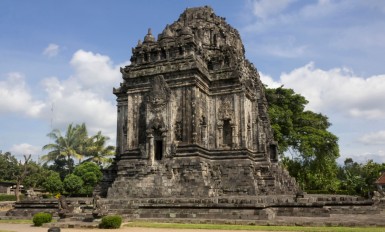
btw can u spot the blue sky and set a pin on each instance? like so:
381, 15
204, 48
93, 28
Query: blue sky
59, 61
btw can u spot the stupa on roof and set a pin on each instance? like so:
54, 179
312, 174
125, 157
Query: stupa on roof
192, 118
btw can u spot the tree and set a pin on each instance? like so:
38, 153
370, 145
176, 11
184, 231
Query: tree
59, 165
71, 146
303, 135
75, 145
97, 151
36, 176
53, 183
20, 175
359, 178
73, 183
8, 166
90, 173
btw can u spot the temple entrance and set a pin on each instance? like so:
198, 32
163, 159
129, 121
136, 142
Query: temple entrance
227, 133
158, 149
158, 143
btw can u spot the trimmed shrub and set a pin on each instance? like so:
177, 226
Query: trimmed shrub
6, 197
10, 197
41, 218
111, 222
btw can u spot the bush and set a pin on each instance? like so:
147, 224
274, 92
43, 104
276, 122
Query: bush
53, 183
10, 197
41, 218
72, 183
6, 197
111, 222
337, 192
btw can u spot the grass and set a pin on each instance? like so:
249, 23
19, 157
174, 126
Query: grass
16, 221
253, 228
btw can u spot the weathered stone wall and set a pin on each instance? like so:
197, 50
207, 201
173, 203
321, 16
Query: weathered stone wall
6, 205
199, 177
192, 117
286, 208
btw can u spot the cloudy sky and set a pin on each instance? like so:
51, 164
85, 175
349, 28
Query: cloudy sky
59, 61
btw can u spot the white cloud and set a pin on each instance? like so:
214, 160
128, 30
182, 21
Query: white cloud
86, 96
321, 9
52, 50
265, 8
25, 149
74, 104
338, 90
268, 80
309, 29
377, 156
377, 138
16, 97
95, 71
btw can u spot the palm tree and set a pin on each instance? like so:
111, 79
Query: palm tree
70, 146
97, 151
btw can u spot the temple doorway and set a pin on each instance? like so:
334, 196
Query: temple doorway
158, 149
227, 133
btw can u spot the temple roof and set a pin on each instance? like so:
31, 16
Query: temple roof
381, 179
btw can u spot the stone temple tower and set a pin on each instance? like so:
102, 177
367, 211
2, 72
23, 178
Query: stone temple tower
192, 118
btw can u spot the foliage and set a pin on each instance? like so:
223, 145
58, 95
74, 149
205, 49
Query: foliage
53, 183
8, 166
97, 151
76, 145
40, 218
37, 176
7, 197
303, 134
69, 146
59, 165
90, 173
358, 178
111, 222
72, 183
23, 170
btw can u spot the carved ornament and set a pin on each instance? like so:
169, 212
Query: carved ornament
226, 110
159, 94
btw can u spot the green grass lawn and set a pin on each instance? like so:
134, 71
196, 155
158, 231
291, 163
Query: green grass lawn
254, 228
16, 221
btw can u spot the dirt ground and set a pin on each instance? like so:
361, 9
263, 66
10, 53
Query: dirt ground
30, 228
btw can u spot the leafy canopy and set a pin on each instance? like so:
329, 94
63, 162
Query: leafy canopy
76, 145
311, 150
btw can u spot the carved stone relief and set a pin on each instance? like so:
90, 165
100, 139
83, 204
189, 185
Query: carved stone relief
160, 94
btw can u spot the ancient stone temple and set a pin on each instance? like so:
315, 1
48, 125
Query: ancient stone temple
192, 117
194, 142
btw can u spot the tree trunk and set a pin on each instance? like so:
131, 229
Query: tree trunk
20, 177
17, 191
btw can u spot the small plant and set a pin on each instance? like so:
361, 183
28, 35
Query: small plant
41, 218
4, 197
111, 222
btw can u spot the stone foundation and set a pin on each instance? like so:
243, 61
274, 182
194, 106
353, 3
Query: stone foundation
240, 208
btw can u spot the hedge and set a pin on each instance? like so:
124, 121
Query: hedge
6, 197
41, 218
111, 222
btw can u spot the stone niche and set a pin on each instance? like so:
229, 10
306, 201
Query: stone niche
192, 118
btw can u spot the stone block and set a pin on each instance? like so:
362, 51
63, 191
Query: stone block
267, 214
